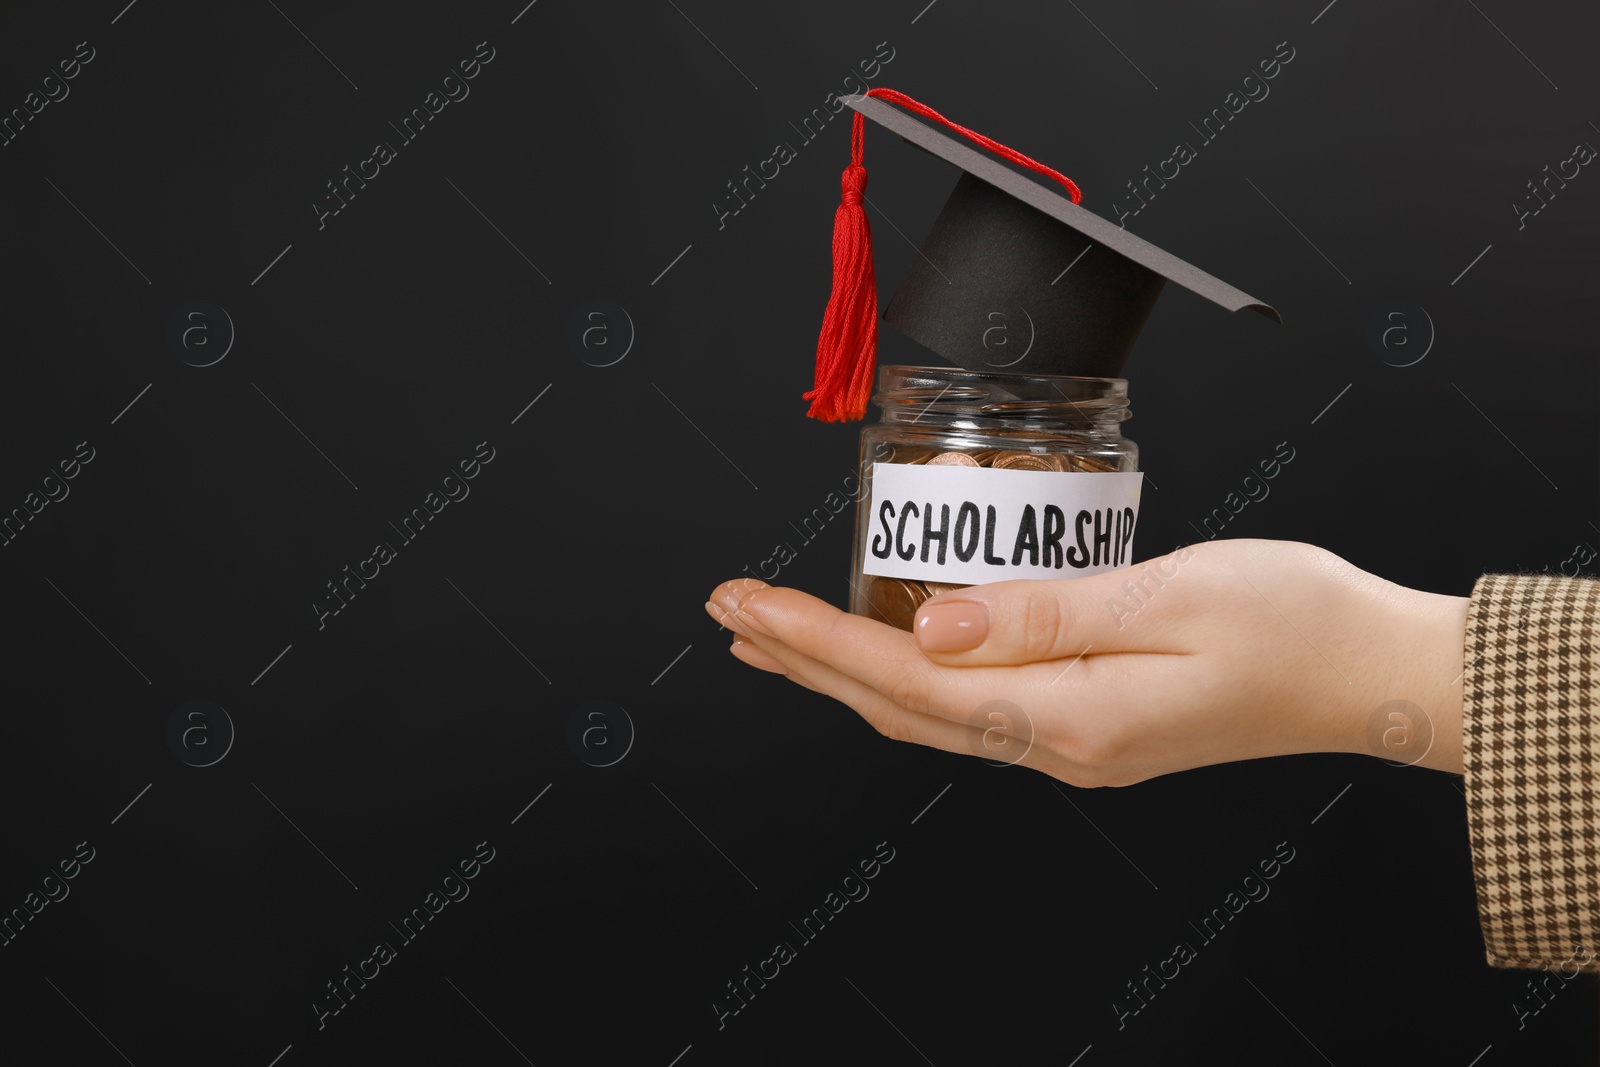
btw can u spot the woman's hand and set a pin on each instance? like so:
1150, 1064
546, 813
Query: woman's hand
1221, 651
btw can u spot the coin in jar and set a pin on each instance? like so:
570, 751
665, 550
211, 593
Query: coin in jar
1023, 461
895, 601
913, 454
952, 459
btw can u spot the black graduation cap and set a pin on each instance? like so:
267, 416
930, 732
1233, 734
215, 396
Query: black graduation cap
1013, 276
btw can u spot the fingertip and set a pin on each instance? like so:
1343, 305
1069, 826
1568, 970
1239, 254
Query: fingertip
719, 615
727, 597
761, 607
729, 593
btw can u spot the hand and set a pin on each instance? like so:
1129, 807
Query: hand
1221, 651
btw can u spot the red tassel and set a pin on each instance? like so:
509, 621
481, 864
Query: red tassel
847, 348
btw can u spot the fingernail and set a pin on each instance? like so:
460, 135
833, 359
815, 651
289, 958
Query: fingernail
746, 650
952, 625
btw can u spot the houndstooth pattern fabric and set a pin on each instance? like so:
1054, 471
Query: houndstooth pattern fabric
1531, 742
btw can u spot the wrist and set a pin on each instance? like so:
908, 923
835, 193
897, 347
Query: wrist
1407, 708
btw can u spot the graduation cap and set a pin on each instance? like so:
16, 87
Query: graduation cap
1013, 276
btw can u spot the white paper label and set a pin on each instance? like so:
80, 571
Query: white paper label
970, 525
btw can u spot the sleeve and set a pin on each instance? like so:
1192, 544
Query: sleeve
1531, 748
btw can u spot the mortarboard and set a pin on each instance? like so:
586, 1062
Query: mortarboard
1074, 287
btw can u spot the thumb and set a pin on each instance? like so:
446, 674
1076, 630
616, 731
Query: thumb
1037, 620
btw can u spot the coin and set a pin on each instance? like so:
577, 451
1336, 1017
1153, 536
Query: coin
869, 597
952, 459
912, 454
895, 601
1023, 461
935, 588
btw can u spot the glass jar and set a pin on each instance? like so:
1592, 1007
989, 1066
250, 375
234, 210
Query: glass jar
1032, 469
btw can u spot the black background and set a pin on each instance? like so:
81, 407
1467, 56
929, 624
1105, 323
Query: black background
428, 714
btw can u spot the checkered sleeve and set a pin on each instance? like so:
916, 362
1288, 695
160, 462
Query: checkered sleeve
1531, 743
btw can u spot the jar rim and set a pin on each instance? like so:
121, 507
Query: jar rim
910, 370
995, 399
